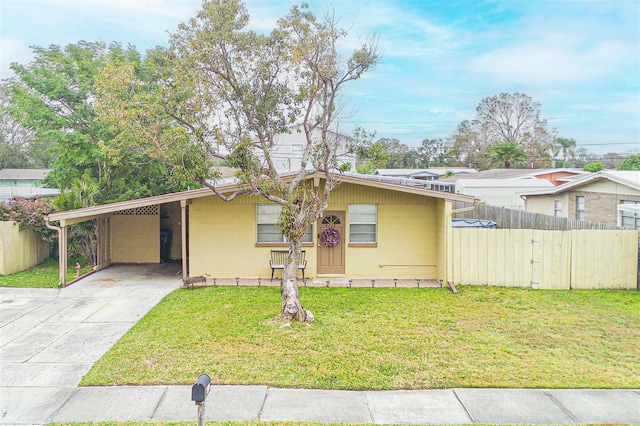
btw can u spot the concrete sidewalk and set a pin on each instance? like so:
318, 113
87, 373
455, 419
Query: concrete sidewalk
50, 338
245, 403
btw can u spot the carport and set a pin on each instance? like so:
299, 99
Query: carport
129, 231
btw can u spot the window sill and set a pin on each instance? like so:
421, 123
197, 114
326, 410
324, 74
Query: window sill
363, 244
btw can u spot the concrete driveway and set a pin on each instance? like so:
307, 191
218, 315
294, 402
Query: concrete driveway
49, 338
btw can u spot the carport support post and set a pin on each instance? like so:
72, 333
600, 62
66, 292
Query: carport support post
62, 249
62, 253
183, 230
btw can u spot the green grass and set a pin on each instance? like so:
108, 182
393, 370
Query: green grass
45, 275
372, 339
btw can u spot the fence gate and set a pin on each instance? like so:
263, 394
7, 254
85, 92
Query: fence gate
550, 259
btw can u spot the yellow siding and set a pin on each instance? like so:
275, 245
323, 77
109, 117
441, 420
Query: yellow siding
545, 204
135, 239
542, 204
222, 241
408, 238
355, 194
406, 245
20, 250
222, 237
545, 259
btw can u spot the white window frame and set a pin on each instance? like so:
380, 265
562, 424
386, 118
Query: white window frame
363, 218
268, 214
580, 202
628, 217
557, 208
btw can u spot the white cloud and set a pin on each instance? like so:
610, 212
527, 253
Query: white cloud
578, 58
545, 62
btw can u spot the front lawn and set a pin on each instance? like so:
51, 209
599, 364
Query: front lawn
372, 339
44, 275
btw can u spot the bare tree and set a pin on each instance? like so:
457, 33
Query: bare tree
223, 92
432, 151
507, 117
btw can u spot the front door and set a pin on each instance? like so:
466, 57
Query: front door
331, 243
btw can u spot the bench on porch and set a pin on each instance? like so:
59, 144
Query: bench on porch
279, 258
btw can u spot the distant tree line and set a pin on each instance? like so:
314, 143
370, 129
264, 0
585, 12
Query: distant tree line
507, 132
48, 120
392, 154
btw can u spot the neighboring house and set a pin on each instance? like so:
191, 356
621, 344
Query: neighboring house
288, 149
25, 183
501, 192
433, 173
559, 176
593, 197
388, 231
555, 176
504, 187
435, 185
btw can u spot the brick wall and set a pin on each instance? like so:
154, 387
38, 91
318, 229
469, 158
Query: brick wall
598, 206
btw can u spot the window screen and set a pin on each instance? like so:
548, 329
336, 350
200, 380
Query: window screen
363, 220
267, 216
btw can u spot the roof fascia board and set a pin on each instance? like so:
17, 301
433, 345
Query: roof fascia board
88, 213
106, 209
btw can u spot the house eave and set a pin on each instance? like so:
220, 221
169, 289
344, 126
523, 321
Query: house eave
590, 178
88, 213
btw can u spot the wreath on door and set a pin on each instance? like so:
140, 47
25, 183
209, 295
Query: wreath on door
330, 237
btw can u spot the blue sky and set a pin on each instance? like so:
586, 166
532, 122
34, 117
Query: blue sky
579, 59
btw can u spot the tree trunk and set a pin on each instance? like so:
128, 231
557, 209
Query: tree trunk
292, 309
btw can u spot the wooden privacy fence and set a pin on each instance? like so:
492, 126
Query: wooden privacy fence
20, 250
519, 219
578, 259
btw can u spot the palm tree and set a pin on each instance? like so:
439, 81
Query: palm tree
507, 154
83, 236
567, 146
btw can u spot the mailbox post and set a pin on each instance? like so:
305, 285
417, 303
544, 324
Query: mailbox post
199, 393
